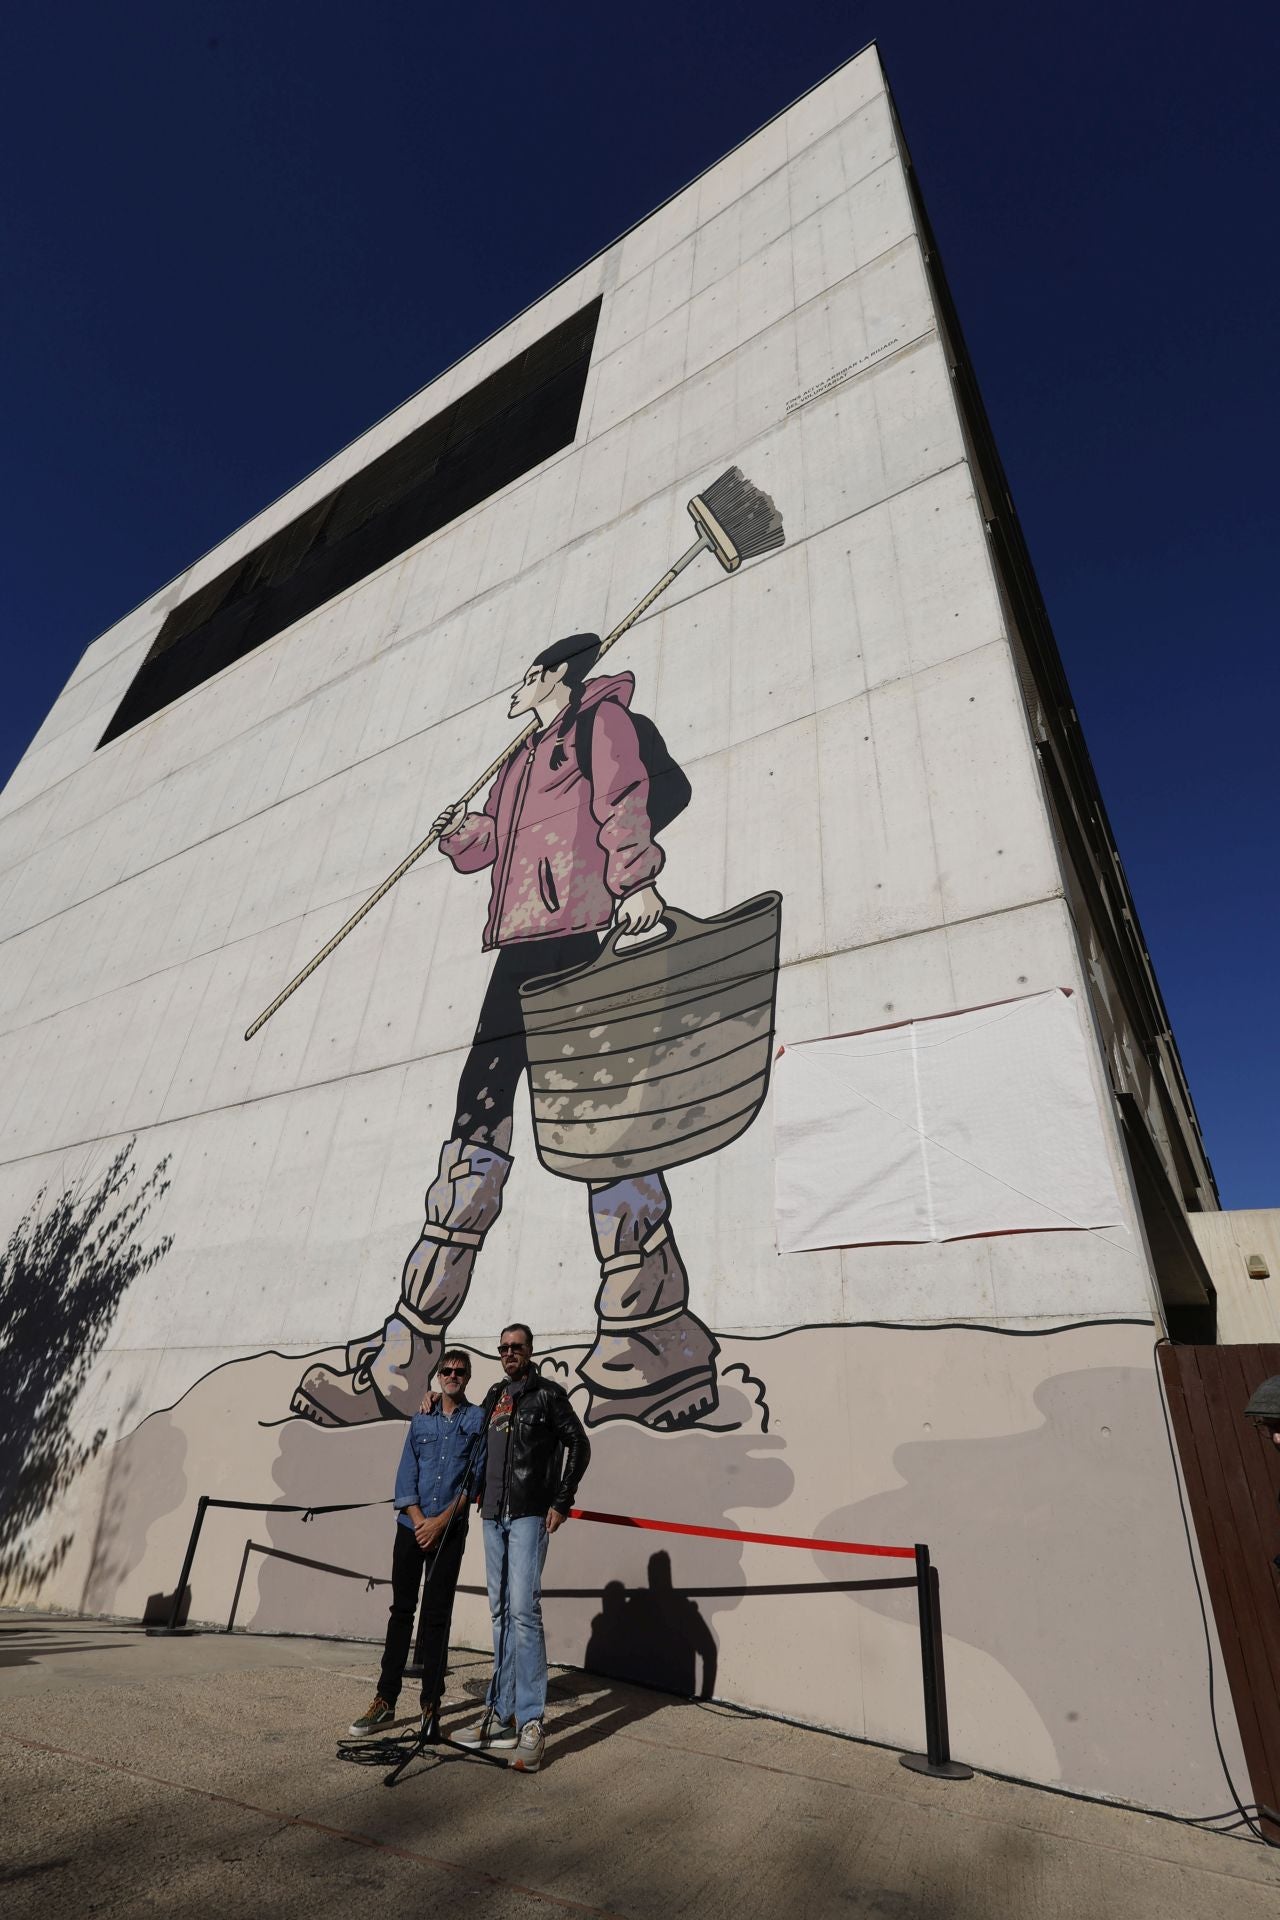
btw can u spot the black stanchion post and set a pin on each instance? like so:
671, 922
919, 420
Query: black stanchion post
936, 1760
202, 1507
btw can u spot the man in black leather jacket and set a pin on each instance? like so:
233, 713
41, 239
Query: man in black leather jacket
537, 1454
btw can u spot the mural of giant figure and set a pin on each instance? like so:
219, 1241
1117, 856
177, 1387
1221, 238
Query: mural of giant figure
637, 1060
568, 834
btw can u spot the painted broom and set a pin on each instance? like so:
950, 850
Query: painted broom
735, 522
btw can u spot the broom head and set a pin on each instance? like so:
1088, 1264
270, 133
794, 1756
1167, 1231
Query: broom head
737, 520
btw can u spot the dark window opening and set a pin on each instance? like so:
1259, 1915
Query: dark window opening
510, 423
1186, 1290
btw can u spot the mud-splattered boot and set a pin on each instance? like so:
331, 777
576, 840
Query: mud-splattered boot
653, 1361
388, 1372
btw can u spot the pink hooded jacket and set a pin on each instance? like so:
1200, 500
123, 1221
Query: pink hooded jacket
564, 848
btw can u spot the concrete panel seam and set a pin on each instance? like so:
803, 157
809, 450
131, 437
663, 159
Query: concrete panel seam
402, 642
336, 904
407, 1060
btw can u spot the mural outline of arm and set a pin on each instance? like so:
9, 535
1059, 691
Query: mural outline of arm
620, 808
470, 840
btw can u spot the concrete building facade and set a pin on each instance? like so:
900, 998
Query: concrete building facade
1241, 1250
877, 734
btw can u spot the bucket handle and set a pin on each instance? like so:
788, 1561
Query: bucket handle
621, 942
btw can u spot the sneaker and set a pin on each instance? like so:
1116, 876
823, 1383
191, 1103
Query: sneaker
527, 1757
490, 1735
377, 1714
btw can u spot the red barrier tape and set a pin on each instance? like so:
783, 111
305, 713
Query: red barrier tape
735, 1533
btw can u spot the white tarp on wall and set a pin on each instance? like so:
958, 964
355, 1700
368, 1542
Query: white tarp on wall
972, 1123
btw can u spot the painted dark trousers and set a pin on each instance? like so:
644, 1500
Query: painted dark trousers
651, 1357
499, 1056
408, 1565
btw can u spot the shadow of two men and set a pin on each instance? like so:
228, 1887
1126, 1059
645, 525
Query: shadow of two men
653, 1635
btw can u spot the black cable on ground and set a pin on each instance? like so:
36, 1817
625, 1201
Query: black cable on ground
380, 1753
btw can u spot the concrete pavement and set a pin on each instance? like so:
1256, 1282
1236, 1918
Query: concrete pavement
198, 1776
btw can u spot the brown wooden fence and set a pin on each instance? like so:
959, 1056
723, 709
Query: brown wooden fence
1232, 1473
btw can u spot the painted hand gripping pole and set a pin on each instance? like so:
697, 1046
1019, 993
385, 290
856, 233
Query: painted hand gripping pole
643, 1052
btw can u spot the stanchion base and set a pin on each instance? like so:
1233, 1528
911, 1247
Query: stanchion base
170, 1633
940, 1770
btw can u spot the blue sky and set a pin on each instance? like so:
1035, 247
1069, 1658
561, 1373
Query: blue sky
234, 235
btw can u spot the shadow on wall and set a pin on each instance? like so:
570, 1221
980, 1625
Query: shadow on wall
1006, 1516
348, 1552
653, 1634
144, 1478
67, 1266
315, 1579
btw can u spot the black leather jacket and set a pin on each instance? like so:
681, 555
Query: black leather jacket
547, 1450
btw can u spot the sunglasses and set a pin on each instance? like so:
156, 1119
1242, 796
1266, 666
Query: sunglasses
452, 1372
512, 1346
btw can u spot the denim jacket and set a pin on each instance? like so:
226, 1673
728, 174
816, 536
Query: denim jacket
434, 1462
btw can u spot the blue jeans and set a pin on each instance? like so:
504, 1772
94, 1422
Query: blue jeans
514, 1552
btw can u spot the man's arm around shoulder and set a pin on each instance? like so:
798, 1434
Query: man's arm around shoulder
477, 1430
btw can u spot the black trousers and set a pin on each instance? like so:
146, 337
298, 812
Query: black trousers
408, 1564
490, 1077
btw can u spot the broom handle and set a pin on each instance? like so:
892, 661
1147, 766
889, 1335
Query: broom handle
700, 545
491, 772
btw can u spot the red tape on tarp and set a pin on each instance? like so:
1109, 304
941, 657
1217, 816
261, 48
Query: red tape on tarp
735, 1533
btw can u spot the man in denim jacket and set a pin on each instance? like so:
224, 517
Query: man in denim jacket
441, 1470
